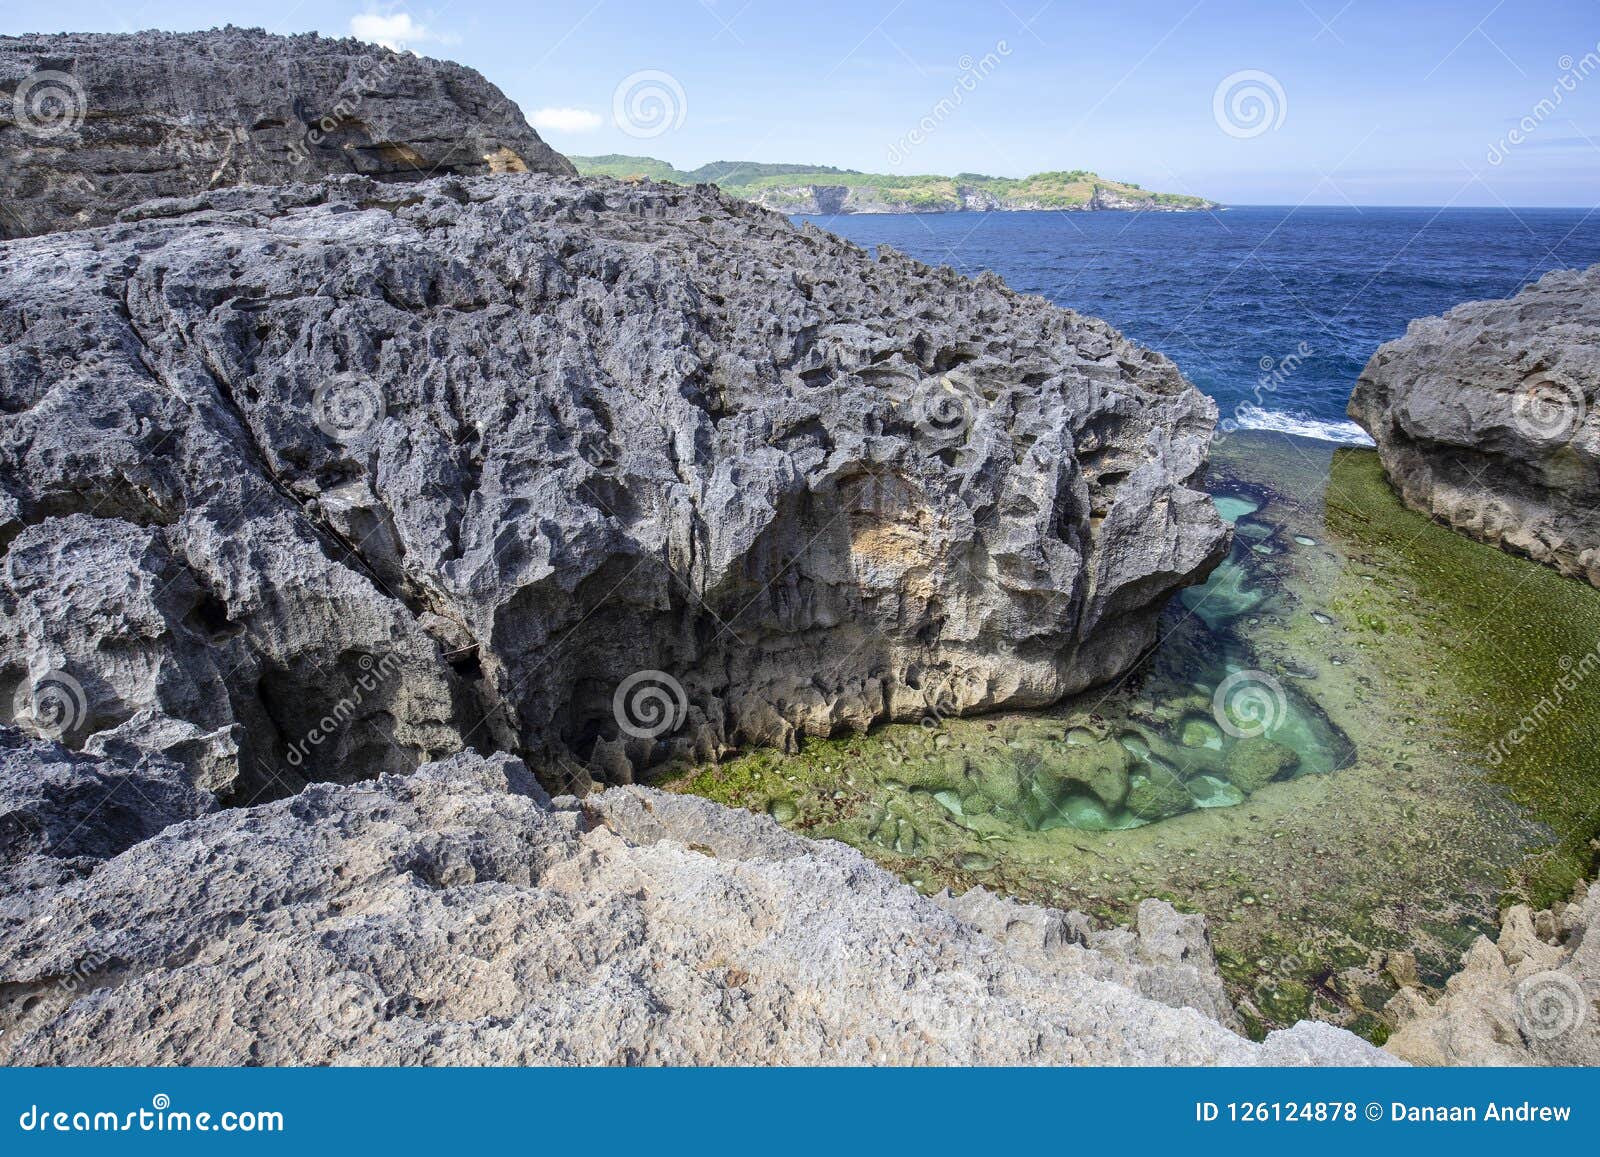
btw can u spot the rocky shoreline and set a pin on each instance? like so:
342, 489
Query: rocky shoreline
1487, 420
365, 538
460, 916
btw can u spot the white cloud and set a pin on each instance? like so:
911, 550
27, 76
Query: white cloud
565, 120
396, 30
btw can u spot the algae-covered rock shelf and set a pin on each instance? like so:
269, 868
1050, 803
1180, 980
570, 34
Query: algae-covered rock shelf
1349, 806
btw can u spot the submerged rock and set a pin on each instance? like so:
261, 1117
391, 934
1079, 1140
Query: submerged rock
457, 916
340, 478
1486, 419
1256, 761
93, 124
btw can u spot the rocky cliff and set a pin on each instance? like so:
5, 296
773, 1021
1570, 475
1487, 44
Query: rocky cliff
1486, 419
90, 124
459, 916
323, 481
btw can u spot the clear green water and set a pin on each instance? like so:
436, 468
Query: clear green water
1304, 758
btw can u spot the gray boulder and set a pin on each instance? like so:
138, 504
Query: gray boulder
92, 124
1487, 420
456, 916
321, 482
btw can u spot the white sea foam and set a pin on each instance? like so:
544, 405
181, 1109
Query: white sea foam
1252, 417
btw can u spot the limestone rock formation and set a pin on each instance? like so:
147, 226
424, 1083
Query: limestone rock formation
1532, 998
1487, 419
458, 916
91, 124
323, 481
63, 813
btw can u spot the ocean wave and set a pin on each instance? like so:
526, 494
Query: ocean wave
1252, 417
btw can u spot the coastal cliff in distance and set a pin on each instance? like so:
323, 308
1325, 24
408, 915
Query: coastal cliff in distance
825, 191
86, 130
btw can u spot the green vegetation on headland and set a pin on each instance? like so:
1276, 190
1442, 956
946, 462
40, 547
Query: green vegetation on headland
824, 189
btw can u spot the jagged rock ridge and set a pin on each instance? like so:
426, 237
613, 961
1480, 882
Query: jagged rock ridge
1488, 419
91, 124
319, 482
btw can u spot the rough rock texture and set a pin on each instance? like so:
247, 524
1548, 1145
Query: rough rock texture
456, 916
62, 813
1533, 998
103, 122
323, 481
1487, 419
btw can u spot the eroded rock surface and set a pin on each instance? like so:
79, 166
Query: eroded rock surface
1487, 419
1530, 998
457, 916
324, 481
91, 124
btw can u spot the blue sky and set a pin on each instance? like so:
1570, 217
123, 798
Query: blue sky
1370, 102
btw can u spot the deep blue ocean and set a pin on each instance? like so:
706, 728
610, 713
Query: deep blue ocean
1272, 311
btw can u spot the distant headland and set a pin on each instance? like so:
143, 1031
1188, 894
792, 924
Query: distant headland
823, 189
